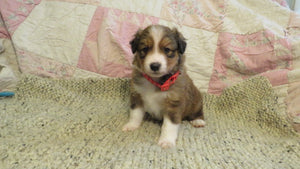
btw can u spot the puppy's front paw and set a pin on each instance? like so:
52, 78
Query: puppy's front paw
130, 126
165, 143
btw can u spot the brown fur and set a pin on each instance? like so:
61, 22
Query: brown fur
183, 100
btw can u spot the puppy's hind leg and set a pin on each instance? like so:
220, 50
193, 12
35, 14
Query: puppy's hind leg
198, 119
198, 123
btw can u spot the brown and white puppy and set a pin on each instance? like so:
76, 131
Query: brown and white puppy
158, 55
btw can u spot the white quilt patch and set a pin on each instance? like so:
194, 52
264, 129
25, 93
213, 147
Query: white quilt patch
55, 30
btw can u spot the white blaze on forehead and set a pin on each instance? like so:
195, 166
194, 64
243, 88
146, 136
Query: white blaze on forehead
154, 55
157, 34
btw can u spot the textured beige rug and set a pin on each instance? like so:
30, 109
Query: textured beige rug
77, 124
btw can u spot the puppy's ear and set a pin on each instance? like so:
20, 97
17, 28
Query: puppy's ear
181, 43
135, 41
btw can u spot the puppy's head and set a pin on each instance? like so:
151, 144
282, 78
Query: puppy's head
158, 50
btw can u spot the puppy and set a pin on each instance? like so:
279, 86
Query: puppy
160, 85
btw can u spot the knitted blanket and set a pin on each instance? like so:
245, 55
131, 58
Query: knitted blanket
77, 124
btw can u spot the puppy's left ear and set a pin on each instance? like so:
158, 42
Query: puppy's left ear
135, 41
181, 43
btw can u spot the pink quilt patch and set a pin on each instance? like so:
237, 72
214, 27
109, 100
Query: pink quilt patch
3, 31
241, 56
33, 64
14, 12
106, 48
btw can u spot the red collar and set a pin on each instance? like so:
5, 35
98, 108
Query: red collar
167, 83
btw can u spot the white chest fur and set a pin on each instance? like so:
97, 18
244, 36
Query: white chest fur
152, 99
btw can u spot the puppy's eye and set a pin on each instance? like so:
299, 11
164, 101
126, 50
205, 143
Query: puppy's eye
167, 50
145, 49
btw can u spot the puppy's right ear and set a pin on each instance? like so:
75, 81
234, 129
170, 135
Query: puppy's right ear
180, 41
135, 41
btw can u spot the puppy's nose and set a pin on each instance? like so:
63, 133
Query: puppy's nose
155, 66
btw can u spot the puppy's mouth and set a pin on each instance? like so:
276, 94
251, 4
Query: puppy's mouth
156, 74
